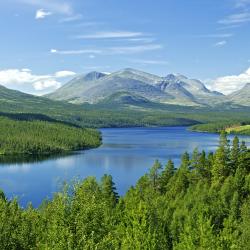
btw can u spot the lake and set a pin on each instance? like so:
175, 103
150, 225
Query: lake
126, 154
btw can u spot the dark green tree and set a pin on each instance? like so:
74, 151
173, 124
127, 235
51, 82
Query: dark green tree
166, 175
221, 165
109, 189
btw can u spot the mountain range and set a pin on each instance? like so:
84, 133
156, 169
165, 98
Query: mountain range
125, 88
131, 86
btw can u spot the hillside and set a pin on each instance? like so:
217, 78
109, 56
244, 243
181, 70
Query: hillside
95, 87
40, 137
121, 109
241, 97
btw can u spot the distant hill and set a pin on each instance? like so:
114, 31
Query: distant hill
119, 109
241, 97
96, 87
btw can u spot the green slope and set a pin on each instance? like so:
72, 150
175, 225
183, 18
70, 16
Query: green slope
121, 110
40, 137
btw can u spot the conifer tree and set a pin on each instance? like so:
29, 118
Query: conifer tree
235, 154
154, 174
166, 175
221, 166
109, 189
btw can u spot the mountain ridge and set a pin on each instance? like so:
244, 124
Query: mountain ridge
171, 89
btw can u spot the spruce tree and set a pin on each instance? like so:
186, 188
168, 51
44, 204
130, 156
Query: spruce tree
154, 174
166, 175
109, 189
234, 156
221, 166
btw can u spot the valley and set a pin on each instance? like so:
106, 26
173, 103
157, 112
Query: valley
129, 98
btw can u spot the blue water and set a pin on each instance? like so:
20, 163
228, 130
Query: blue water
126, 154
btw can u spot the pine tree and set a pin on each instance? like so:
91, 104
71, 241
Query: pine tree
221, 166
154, 174
234, 156
185, 160
166, 175
194, 163
109, 189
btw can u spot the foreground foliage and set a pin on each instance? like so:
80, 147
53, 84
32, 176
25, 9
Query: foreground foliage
204, 204
40, 137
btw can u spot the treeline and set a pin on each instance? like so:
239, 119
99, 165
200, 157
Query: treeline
23, 106
41, 137
229, 126
203, 204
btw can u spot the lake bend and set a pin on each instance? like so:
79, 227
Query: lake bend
126, 154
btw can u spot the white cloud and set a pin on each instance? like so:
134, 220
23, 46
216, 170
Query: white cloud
24, 78
231, 83
41, 13
110, 35
220, 43
151, 62
75, 52
45, 84
242, 3
232, 26
64, 73
134, 49
17, 76
224, 35
71, 18
236, 19
110, 50
57, 6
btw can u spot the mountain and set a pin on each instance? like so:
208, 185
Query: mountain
124, 98
241, 97
95, 87
93, 90
188, 89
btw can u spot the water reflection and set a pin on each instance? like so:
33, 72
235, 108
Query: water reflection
126, 153
6, 160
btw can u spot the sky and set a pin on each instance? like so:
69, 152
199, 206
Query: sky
44, 43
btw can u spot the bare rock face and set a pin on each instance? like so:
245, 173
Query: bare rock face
96, 87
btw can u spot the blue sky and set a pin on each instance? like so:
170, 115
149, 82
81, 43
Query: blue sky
46, 42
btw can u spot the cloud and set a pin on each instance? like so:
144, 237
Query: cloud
242, 3
233, 26
110, 35
71, 18
110, 50
134, 49
57, 6
224, 35
231, 83
238, 18
64, 73
220, 43
40, 14
151, 62
75, 52
45, 84
16, 78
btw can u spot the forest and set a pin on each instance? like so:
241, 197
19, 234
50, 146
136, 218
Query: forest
202, 204
44, 137
232, 127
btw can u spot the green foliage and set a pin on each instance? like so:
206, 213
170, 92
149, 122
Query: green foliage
203, 204
40, 137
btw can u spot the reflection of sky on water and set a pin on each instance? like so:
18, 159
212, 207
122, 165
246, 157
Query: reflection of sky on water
126, 153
